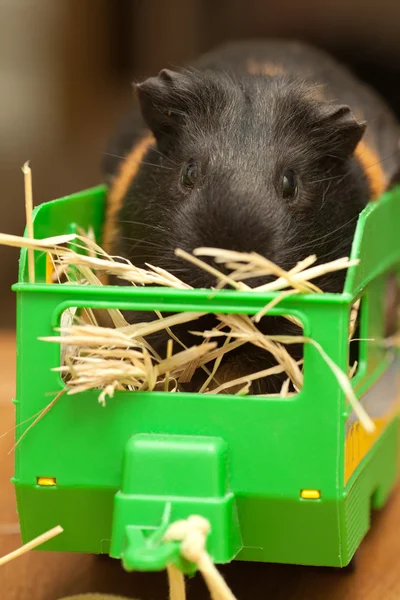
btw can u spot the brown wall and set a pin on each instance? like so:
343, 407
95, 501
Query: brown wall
66, 68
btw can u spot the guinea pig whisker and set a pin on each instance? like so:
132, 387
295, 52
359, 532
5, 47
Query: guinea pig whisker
146, 243
142, 162
156, 227
341, 177
331, 255
114, 155
164, 156
324, 193
379, 162
324, 237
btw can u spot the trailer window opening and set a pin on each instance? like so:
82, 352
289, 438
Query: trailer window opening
360, 327
391, 305
357, 327
187, 352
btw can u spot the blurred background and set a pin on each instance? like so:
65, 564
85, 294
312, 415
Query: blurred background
66, 68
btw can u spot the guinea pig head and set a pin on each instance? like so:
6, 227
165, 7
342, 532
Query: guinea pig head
248, 164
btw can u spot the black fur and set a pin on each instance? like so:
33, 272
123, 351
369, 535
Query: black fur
243, 132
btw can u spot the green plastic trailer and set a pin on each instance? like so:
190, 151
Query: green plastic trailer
287, 480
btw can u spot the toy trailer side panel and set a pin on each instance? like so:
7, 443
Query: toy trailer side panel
83, 210
371, 460
275, 448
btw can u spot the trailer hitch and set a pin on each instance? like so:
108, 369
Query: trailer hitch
168, 478
146, 550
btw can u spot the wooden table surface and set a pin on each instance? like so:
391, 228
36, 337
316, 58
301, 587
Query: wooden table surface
48, 576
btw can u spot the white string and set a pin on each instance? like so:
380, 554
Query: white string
176, 581
192, 533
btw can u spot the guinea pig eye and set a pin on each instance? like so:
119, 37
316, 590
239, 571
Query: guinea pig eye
190, 174
289, 185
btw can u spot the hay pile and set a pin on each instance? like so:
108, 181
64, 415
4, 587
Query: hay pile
122, 358
119, 357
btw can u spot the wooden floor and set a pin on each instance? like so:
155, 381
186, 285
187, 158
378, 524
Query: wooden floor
47, 576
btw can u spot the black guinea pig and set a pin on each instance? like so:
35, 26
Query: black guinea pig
270, 147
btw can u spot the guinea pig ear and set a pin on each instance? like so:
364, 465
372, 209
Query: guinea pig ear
343, 131
161, 104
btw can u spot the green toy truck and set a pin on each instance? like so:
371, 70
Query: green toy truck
280, 480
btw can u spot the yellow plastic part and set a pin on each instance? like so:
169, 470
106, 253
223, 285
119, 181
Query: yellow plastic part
359, 442
310, 494
46, 481
49, 269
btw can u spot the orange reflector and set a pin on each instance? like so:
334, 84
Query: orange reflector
46, 481
310, 494
49, 269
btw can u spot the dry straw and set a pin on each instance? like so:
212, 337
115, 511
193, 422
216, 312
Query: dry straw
192, 534
38, 541
120, 357
29, 219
